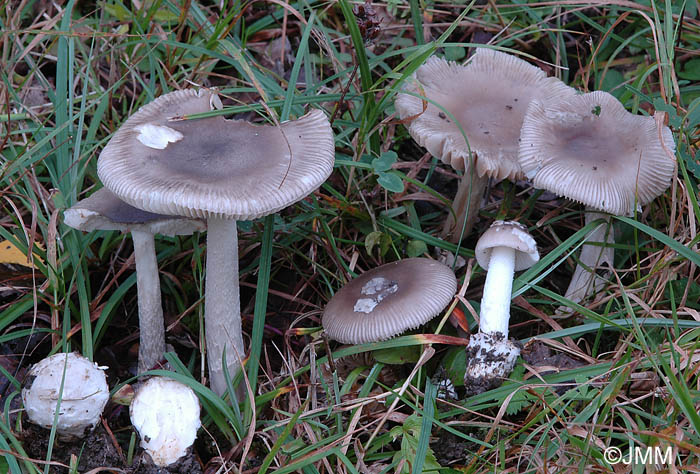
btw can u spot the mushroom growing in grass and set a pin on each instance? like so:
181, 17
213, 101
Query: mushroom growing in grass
165, 413
222, 171
590, 149
105, 211
488, 97
388, 300
506, 247
82, 400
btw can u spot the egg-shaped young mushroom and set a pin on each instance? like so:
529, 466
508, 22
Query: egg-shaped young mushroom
388, 300
165, 413
488, 96
588, 148
82, 400
222, 171
105, 211
506, 247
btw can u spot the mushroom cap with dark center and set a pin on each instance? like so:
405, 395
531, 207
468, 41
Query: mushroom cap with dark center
104, 211
388, 300
488, 96
509, 234
213, 167
590, 149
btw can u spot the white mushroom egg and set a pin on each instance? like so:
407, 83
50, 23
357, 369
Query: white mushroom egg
81, 401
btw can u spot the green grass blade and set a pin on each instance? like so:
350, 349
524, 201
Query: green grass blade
426, 426
260, 310
681, 249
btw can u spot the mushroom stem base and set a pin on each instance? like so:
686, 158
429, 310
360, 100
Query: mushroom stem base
490, 359
222, 306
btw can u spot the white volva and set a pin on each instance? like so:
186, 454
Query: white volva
84, 396
165, 413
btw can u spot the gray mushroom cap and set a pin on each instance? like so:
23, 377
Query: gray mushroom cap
488, 96
104, 211
507, 234
388, 300
213, 167
590, 149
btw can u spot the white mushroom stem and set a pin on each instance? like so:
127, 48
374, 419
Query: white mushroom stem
495, 302
151, 327
490, 355
466, 205
585, 281
222, 308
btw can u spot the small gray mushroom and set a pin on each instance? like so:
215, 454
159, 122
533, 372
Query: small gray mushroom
388, 300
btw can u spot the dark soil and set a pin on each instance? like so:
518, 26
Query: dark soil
185, 465
451, 450
97, 450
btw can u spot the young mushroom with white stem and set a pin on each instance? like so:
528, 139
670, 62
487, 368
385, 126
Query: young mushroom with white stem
506, 247
222, 171
105, 211
590, 149
488, 96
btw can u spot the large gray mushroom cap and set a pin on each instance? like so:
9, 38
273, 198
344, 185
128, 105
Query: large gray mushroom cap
213, 167
488, 96
388, 300
590, 149
104, 211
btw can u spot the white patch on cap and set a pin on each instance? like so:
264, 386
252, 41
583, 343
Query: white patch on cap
377, 289
379, 284
365, 305
157, 136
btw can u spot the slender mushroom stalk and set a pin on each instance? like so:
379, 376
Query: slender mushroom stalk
105, 211
151, 323
222, 171
495, 302
585, 280
488, 97
222, 301
590, 149
466, 205
503, 249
